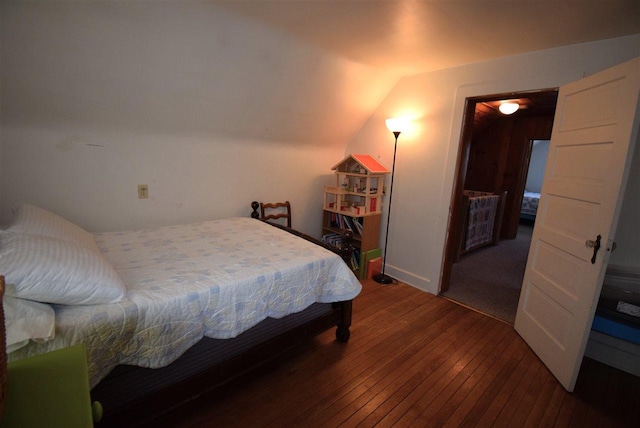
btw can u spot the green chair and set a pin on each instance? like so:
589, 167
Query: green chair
48, 390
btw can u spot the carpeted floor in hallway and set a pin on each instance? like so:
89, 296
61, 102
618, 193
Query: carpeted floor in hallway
489, 278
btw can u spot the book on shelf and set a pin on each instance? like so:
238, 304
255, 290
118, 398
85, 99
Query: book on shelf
337, 240
358, 224
366, 257
342, 221
374, 267
348, 222
355, 259
333, 239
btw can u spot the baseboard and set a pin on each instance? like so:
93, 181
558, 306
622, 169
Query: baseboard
409, 278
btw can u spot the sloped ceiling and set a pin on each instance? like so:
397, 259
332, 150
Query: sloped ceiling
414, 36
301, 72
176, 68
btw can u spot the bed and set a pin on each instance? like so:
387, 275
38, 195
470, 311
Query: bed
184, 308
529, 207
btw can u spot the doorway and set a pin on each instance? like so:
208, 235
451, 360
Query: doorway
495, 152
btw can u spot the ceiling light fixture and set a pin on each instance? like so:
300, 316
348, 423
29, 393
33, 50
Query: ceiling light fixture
509, 107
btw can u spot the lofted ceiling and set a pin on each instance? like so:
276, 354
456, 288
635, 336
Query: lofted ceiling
302, 71
414, 36
539, 103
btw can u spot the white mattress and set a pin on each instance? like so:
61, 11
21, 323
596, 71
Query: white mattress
213, 279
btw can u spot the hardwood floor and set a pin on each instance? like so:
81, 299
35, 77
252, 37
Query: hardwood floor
416, 360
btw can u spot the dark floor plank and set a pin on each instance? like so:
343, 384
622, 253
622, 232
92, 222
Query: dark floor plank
397, 371
518, 394
345, 385
542, 403
492, 391
416, 360
496, 369
397, 388
456, 392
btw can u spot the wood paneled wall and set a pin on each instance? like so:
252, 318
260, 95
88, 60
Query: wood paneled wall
499, 160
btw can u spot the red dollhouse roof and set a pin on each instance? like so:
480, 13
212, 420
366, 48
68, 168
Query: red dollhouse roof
367, 162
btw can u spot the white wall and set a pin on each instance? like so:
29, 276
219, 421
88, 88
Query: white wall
210, 109
426, 160
537, 165
627, 254
91, 178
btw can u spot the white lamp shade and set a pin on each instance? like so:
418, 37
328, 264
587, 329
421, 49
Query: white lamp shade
397, 124
509, 107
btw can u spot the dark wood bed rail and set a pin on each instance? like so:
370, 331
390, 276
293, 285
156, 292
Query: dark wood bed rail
149, 410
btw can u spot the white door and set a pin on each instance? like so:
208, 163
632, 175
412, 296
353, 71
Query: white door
595, 129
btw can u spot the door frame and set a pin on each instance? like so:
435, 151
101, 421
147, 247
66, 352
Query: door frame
456, 197
455, 214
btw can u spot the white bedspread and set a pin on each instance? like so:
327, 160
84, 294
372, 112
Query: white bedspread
213, 279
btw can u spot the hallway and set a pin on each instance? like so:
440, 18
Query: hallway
489, 279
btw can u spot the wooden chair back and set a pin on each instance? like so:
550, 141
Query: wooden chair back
276, 211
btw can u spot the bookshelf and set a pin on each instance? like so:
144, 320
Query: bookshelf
355, 204
366, 238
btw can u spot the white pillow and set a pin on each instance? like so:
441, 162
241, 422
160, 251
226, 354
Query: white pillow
51, 270
26, 320
37, 221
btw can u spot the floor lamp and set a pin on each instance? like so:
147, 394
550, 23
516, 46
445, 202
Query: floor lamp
395, 125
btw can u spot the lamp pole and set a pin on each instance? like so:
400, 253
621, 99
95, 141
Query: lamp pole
381, 278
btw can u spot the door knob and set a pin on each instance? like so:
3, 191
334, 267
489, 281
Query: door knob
595, 245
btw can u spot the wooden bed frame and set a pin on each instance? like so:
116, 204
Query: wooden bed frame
132, 395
